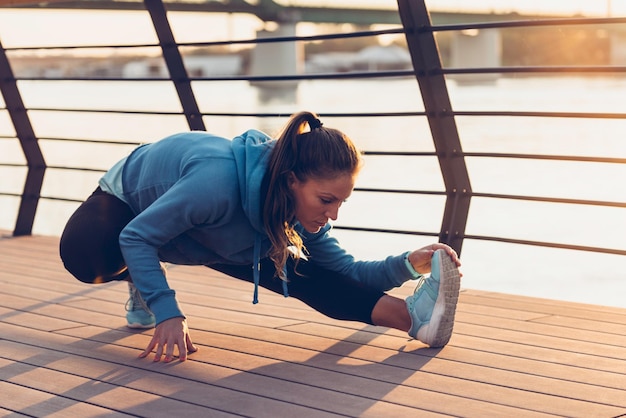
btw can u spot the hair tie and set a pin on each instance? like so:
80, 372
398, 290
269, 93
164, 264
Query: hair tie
315, 123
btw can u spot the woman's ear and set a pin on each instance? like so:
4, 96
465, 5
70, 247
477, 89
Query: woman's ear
292, 180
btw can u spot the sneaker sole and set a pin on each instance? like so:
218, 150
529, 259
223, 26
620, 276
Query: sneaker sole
437, 333
137, 325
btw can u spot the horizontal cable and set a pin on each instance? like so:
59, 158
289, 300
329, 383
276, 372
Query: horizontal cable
91, 141
551, 200
581, 158
326, 115
556, 157
547, 69
401, 153
309, 38
74, 47
61, 167
547, 244
270, 39
501, 196
526, 23
386, 231
490, 238
317, 76
121, 112
127, 79
234, 114
399, 191
62, 199
606, 69
578, 115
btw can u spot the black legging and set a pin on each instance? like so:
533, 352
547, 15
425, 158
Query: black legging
89, 245
90, 250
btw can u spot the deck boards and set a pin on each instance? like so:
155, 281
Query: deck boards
64, 350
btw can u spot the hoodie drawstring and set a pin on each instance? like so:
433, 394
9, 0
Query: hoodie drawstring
285, 290
256, 271
256, 267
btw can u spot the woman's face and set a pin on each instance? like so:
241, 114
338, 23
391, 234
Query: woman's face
318, 200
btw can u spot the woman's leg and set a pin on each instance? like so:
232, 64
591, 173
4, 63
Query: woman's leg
328, 292
90, 250
391, 312
428, 315
89, 244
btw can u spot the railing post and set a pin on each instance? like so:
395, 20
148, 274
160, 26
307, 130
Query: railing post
432, 83
26, 135
175, 64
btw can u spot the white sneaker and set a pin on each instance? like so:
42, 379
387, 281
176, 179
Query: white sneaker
433, 305
138, 315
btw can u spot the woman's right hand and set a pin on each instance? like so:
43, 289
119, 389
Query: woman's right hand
421, 259
169, 334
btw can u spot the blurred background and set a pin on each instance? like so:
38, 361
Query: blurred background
536, 89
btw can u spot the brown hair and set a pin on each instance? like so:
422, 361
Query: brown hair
319, 153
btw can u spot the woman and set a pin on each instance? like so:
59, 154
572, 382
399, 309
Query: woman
256, 209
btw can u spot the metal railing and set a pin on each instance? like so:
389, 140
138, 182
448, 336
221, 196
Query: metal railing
429, 72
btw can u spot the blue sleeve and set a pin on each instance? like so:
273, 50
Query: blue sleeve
324, 250
179, 209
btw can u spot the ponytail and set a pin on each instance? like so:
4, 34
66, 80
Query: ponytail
318, 153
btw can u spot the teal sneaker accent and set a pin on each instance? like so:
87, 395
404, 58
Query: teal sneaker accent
433, 304
138, 315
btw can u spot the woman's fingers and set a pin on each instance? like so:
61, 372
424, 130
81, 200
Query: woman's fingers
168, 336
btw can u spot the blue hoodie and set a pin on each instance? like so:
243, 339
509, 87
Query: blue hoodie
197, 200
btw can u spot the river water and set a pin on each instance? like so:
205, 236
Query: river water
543, 272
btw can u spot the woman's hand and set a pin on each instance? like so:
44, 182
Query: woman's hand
420, 259
167, 335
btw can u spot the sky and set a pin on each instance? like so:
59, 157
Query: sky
21, 27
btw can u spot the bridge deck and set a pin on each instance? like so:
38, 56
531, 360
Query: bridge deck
65, 351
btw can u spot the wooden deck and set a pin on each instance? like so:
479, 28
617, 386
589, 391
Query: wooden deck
65, 351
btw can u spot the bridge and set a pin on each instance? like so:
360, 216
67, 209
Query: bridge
270, 10
469, 48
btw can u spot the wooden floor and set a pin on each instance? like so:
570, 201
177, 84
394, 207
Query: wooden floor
65, 351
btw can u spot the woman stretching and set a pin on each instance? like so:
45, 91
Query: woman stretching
257, 209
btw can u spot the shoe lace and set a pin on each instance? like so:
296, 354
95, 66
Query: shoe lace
420, 283
135, 300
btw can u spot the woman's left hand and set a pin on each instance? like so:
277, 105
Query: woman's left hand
420, 259
168, 335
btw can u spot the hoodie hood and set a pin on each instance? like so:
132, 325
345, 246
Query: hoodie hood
252, 152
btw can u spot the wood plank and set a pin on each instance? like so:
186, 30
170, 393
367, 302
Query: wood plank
79, 391
19, 400
256, 346
612, 342
13, 414
233, 348
207, 394
510, 355
276, 397
546, 306
225, 314
590, 324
